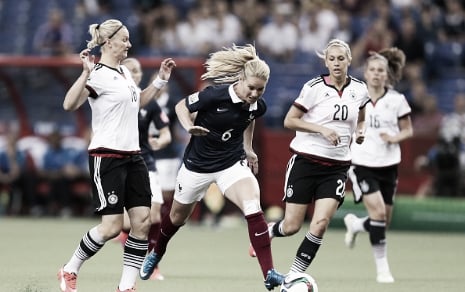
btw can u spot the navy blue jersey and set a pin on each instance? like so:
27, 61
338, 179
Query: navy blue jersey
172, 150
148, 114
226, 117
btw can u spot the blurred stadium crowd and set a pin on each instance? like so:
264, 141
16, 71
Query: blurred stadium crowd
286, 32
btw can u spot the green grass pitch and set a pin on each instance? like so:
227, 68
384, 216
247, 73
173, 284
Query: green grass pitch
203, 259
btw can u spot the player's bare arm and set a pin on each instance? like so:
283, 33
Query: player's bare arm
166, 67
78, 93
185, 118
294, 122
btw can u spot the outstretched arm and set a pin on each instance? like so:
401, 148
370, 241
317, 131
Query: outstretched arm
153, 89
78, 93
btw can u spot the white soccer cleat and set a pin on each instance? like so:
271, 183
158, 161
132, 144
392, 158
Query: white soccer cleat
385, 277
349, 238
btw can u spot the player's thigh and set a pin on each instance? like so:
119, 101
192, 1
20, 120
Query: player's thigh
191, 186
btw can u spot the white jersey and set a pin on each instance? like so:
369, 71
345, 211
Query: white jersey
324, 105
114, 100
381, 117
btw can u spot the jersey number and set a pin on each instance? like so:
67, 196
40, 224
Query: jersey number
133, 94
340, 188
341, 113
226, 135
374, 121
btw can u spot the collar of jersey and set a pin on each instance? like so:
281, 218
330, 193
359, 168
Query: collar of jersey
236, 99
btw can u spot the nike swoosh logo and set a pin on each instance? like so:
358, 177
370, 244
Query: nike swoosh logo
221, 110
142, 274
261, 233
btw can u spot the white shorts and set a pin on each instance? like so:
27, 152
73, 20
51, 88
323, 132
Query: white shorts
157, 196
167, 171
194, 185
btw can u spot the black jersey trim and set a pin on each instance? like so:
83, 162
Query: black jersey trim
357, 80
320, 160
315, 81
300, 107
92, 92
404, 116
100, 65
365, 104
106, 152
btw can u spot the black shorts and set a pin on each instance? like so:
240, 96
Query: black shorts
367, 180
119, 183
307, 181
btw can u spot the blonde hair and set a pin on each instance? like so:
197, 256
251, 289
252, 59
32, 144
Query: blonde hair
101, 32
231, 64
333, 43
396, 62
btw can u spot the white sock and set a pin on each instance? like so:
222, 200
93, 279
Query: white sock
128, 278
380, 255
77, 259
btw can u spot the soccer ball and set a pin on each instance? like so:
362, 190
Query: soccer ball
299, 282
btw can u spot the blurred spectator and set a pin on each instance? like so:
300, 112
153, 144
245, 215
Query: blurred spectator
453, 124
9, 171
197, 33
62, 168
454, 20
429, 22
344, 28
313, 38
315, 25
33, 149
278, 38
446, 159
228, 27
415, 95
55, 37
426, 123
377, 37
443, 164
321, 12
409, 40
252, 13
163, 29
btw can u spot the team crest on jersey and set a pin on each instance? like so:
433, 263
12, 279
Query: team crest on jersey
193, 98
352, 94
143, 112
289, 191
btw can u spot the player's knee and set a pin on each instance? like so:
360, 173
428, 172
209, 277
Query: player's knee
291, 227
318, 226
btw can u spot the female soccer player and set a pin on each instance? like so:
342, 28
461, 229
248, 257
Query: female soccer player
119, 175
221, 122
151, 118
325, 115
375, 162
